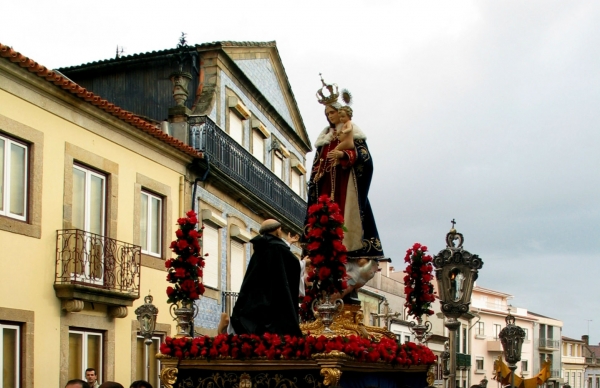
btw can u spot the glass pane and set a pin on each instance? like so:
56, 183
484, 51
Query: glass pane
97, 205
139, 359
94, 353
78, 199
2, 143
155, 226
17, 179
237, 266
9, 357
75, 356
144, 222
210, 245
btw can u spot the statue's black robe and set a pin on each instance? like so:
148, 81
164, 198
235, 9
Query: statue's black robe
268, 299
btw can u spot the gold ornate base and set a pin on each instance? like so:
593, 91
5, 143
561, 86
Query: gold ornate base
348, 322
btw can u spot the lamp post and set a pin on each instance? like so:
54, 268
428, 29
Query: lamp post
456, 271
511, 338
146, 316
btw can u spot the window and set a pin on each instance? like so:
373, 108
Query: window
258, 145
464, 340
407, 338
497, 329
481, 328
89, 200
278, 164
296, 182
150, 224
85, 351
479, 363
524, 366
236, 127
210, 245
457, 341
526, 333
154, 363
10, 340
13, 178
237, 265
569, 349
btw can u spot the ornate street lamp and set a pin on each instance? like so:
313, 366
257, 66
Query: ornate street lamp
511, 338
146, 316
456, 272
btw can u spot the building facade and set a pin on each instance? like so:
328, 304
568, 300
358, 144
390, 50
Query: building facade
573, 362
92, 188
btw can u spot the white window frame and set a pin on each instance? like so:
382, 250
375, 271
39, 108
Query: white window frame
17, 352
526, 369
240, 140
149, 223
84, 351
258, 137
8, 142
88, 177
154, 380
296, 179
482, 364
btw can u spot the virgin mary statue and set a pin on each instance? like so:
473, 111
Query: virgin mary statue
345, 175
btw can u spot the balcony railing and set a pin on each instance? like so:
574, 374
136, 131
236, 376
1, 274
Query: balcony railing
555, 373
463, 360
228, 156
549, 343
228, 299
90, 260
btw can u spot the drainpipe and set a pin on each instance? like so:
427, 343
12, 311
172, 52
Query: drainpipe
201, 179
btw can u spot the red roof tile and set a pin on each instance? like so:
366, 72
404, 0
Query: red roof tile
84, 94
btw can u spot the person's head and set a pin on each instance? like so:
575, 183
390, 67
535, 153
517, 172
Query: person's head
77, 383
272, 227
91, 376
140, 384
345, 114
110, 384
331, 112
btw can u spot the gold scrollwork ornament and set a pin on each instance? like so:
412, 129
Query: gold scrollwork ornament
331, 376
168, 376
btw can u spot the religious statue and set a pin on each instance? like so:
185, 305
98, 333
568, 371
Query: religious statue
345, 174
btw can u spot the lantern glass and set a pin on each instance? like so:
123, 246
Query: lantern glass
457, 280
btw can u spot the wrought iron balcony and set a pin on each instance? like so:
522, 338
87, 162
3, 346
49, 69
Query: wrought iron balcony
95, 268
548, 343
236, 163
463, 361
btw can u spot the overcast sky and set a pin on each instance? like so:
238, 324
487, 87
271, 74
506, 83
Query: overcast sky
482, 111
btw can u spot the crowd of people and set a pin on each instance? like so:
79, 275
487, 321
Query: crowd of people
91, 381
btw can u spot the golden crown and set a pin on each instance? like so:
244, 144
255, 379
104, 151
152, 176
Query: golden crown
328, 94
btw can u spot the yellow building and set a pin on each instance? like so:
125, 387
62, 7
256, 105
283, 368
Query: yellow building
78, 178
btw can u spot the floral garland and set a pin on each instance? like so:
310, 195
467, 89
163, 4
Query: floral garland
185, 271
276, 347
327, 253
417, 282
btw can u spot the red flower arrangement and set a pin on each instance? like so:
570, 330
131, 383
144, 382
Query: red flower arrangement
185, 271
276, 347
327, 253
417, 282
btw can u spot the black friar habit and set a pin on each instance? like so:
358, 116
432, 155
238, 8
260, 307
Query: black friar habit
268, 299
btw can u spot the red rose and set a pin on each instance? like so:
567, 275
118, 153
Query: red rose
313, 246
324, 219
181, 221
191, 213
324, 273
170, 291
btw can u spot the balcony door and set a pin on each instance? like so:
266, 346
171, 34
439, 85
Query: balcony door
89, 209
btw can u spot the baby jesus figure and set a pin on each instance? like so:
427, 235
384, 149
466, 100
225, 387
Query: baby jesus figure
346, 135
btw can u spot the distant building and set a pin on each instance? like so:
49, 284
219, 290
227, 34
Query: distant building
573, 362
592, 363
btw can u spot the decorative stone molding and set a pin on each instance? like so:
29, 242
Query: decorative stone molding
256, 124
298, 167
209, 215
239, 233
234, 103
72, 305
117, 311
